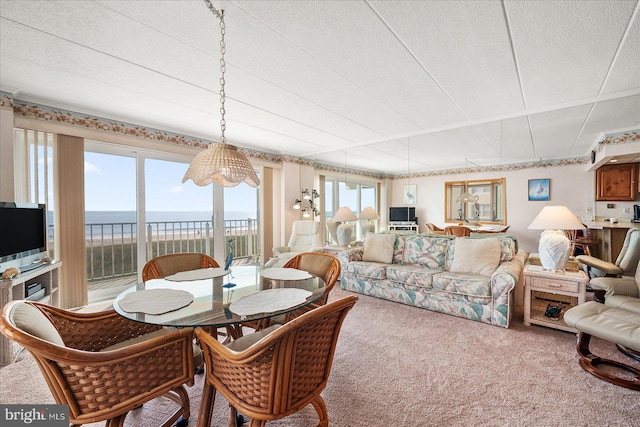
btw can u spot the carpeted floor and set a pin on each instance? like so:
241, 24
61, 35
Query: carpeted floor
397, 365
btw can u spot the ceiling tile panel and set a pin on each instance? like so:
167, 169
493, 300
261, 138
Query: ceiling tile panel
626, 68
465, 46
607, 117
564, 49
555, 132
392, 75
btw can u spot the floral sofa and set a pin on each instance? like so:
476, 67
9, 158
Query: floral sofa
475, 281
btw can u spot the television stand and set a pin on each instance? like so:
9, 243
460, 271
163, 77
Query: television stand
413, 227
12, 289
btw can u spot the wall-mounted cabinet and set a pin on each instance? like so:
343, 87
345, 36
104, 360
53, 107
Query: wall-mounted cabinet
617, 182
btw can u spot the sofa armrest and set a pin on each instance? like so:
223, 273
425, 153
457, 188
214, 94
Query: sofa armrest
506, 276
352, 254
503, 281
625, 285
280, 250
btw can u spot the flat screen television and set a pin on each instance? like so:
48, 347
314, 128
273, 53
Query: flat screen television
402, 214
23, 233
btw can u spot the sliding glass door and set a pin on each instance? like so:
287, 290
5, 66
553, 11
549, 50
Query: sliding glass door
137, 208
110, 223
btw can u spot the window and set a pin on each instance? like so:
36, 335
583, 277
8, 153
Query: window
33, 151
489, 204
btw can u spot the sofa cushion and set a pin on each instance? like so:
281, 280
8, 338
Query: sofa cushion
426, 251
378, 247
508, 244
475, 256
465, 284
412, 275
368, 269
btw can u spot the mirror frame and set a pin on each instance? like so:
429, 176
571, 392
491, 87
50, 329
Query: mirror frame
449, 216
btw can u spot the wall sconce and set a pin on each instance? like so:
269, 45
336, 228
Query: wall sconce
307, 204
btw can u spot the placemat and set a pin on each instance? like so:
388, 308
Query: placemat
155, 301
200, 274
281, 273
269, 301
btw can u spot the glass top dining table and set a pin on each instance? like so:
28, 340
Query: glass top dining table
214, 298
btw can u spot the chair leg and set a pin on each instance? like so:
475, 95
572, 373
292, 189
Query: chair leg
635, 355
321, 409
206, 405
117, 421
181, 397
233, 416
590, 363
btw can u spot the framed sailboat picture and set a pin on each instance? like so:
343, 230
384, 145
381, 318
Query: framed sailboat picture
539, 189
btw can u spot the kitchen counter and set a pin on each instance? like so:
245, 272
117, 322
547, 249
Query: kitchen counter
599, 225
610, 237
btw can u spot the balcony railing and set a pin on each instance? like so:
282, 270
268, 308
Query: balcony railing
112, 247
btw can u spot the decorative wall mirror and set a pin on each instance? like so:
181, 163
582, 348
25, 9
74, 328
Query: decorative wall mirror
489, 204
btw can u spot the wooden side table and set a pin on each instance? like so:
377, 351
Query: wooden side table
545, 287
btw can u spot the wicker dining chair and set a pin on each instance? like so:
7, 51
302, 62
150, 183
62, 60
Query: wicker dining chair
101, 364
319, 264
457, 230
166, 265
434, 229
325, 266
275, 372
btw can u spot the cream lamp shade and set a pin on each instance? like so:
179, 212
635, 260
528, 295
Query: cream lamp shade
343, 232
554, 246
368, 213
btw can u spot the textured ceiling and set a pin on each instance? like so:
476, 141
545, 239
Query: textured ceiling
363, 82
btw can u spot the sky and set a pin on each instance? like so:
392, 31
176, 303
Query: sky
109, 178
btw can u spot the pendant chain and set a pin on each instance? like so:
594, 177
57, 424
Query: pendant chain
223, 67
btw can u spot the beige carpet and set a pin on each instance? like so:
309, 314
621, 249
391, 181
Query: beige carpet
397, 365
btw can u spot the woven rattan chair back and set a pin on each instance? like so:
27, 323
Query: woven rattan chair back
434, 229
100, 382
279, 374
319, 264
457, 230
165, 265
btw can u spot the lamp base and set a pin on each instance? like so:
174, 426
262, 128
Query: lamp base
368, 227
343, 234
554, 248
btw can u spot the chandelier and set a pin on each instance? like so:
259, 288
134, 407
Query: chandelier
221, 163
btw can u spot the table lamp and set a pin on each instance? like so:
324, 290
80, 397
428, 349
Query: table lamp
554, 246
368, 213
343, 232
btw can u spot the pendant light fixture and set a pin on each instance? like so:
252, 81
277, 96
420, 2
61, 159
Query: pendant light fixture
221, 163
466, 197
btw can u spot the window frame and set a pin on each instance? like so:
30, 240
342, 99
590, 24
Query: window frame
497, 197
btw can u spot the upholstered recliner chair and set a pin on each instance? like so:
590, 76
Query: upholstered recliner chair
620, 292
305, 237
626, 262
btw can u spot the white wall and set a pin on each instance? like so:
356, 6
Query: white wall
572, 186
